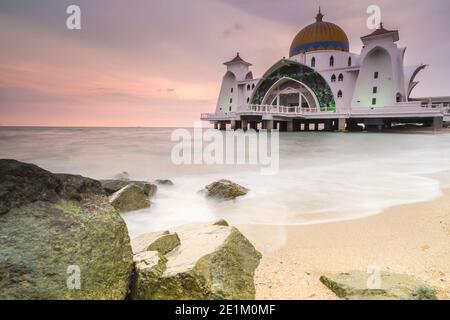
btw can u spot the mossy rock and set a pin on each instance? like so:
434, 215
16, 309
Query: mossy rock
225, 190
162, 242
42, 238
353, 285
130, 198
213, 262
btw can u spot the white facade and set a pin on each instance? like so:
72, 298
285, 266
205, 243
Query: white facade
375, 79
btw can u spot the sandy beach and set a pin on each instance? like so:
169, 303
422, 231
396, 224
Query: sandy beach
412, 239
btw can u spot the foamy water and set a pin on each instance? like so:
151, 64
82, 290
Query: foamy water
323, 176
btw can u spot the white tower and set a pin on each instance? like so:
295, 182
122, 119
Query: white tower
237, 70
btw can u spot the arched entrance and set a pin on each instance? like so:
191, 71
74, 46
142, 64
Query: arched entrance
305, 76
290, 93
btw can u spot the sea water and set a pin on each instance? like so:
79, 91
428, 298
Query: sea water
323, 177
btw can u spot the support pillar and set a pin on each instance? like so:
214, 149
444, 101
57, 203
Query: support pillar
216, 125
290, 126
438, 123
233, 125
316, 126
244, 125
267, 125
306, 125
341, 124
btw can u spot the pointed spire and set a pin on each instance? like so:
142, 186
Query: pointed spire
319, 17
381, 25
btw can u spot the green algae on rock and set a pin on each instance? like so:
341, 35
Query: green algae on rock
213, 262
61, 221
353, 285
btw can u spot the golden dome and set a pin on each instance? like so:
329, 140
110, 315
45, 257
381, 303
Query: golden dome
320, 35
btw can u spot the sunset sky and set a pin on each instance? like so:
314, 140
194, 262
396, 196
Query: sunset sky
160, 62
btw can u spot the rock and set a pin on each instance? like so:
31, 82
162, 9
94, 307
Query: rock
221, 223
61, 224
164, 182
150, 189
123, 176
151, 266
130, 198
112, 186
75, 186
162, 242
353, 285
225, 190
22, 184
213, 262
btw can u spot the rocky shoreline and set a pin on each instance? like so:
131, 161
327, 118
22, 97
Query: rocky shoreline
62, 237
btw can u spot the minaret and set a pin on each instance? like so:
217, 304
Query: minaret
237, 70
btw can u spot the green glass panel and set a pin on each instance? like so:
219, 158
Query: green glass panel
303, 74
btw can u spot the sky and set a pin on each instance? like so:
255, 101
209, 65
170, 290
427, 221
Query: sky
159, 63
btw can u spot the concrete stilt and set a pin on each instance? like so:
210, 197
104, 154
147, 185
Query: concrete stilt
341, 124
316, 126
267, 125
244, 125
438, 123
233, 125
307, 126
290, 126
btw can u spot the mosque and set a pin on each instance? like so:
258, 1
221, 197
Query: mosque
323, 86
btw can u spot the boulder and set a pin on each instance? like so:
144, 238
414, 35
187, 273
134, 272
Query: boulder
112, 186
55, 227
225, 190
22, 184
213, 262
151, 266
123, 176
130, 198
164, 182
162, 242
354, 285
150, 189
75, 187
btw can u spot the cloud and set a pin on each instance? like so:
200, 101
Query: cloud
237, 27
160, 62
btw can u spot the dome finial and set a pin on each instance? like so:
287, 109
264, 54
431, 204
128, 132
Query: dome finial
319, 17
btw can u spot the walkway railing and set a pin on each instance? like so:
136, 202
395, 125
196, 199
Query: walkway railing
263, 108
406, 108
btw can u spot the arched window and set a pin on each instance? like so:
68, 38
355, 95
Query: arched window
341, 77
231, 100
349, 61
232, 89
399, 97
333, 78
248, 87
253, 86
331, 61
339, 94
313, 62
248, 100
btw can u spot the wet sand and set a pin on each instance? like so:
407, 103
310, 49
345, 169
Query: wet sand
412, 239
